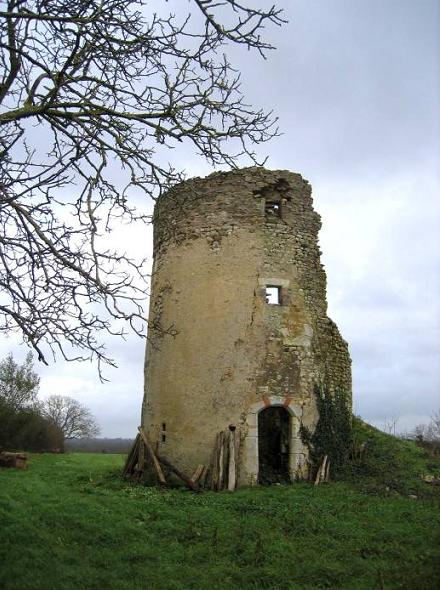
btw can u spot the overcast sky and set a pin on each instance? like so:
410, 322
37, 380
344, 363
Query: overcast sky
356, 86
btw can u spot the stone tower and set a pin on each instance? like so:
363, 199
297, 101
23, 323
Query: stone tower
238, 326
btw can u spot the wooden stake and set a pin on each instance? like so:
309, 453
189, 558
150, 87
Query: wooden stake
321, 471
323, 468
327, 472
214, 469
225, 459
220, 460
231, 470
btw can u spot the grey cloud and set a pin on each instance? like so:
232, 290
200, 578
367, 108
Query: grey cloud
356, 84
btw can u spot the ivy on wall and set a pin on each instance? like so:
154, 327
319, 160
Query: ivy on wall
333, 433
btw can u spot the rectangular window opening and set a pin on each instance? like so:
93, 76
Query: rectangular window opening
273, 295
164, 426
164, 437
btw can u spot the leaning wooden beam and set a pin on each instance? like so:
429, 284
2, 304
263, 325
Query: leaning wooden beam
198, 473
135, 456
156, 464
132, 458
128, 459
205, 480
193, 486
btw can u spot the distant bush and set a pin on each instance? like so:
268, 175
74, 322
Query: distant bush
432, 447
23, 426
427, 436
26, 429
428, 432
387, 462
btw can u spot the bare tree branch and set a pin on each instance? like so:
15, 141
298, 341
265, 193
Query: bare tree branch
93, 95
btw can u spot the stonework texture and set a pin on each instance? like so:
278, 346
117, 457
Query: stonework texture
218, 353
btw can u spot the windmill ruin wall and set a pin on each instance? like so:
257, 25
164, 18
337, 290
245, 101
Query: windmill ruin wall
238, 318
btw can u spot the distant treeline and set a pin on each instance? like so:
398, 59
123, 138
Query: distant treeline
99, 445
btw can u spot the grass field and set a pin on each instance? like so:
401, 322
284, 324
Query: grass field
69, 522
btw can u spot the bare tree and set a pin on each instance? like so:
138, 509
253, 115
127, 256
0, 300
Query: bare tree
72, 418
92, 91
428, 432
19, 384
389, 426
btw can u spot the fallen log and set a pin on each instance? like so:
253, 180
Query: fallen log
17, 460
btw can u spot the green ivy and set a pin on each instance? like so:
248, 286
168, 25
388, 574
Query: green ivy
333, 432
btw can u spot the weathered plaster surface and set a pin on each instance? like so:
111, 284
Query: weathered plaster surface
230, 353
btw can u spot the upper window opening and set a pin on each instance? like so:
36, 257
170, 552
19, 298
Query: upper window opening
273, 295
272, 209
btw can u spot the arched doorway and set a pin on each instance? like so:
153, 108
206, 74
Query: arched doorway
273, 445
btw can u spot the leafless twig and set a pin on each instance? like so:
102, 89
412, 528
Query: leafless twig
93, 94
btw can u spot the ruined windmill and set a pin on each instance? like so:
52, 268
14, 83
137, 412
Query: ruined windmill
238, 328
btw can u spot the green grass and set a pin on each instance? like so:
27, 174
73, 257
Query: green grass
69, 522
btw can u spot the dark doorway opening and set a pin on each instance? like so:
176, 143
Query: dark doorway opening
273, 445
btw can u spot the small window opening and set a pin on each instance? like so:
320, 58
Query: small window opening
273, 295
164, 437
272, 209
164, 426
